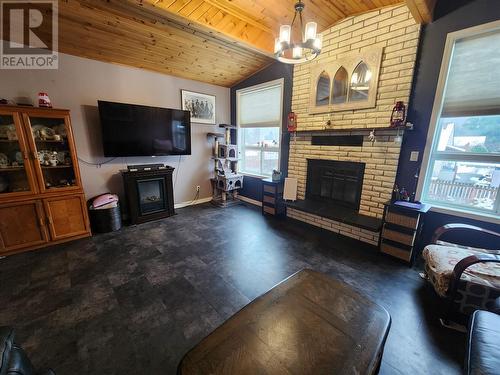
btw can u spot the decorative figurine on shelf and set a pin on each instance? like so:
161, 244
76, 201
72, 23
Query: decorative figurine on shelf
53, 158
371, 136
277, 175
44, 100
11, 132
395, 193
43, 133
4, 161
404, 195
398, 117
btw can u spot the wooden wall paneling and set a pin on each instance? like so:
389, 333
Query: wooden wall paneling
22, 225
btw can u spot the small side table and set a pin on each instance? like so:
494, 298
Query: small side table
272, 198
401, 228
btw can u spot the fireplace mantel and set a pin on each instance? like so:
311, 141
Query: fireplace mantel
352, 131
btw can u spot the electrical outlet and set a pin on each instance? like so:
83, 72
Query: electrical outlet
197, 188
414, 156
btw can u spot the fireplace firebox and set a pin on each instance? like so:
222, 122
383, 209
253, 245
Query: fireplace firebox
151, 195
338, 182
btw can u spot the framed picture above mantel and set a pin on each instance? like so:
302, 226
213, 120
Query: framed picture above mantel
201, 106
347, 83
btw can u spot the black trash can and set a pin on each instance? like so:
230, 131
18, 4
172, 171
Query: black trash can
105, 219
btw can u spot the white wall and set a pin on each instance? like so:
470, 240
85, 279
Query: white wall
79, 83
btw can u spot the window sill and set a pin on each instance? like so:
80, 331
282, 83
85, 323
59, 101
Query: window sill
253, 175
489, 218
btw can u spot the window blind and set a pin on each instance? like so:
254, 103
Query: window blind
474, 77
260, 108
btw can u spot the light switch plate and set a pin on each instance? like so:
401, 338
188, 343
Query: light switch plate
414, 156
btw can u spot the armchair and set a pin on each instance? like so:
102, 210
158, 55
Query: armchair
468, 277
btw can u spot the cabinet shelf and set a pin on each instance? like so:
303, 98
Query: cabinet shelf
11, 169
50, 141
9, 141
55, 166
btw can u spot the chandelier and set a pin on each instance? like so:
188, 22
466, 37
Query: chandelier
289, 51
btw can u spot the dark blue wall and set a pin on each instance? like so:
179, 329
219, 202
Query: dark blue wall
252, 187
450, 15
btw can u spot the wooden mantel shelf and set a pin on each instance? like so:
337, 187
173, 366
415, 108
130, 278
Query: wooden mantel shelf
351, 131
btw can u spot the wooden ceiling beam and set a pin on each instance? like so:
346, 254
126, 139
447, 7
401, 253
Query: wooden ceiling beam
421, 10
246, 36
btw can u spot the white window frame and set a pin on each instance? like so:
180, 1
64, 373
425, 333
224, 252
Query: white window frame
241, 146
433, 138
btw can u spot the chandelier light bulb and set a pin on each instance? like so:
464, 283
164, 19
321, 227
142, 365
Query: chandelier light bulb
310, 33
285, 31
318, 41
297, 52
277, 45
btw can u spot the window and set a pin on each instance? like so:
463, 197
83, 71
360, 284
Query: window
259, 119
463, 155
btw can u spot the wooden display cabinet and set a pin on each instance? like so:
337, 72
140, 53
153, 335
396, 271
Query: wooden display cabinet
41, 194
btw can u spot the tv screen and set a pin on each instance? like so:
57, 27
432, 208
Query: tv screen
138, 130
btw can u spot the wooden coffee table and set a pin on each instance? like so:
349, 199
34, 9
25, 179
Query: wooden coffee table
307, 324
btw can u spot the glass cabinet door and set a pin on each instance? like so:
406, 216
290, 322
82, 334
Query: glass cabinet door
15, 172
54, 152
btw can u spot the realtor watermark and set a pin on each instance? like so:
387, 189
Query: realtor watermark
29, 34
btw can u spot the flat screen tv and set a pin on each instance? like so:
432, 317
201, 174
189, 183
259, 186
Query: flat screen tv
138, 130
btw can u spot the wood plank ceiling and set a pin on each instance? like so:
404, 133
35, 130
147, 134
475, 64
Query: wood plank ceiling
214, 41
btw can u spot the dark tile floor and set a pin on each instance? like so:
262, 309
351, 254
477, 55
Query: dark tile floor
133, 302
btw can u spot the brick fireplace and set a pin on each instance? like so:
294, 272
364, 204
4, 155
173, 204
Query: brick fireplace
373, 187
394, 29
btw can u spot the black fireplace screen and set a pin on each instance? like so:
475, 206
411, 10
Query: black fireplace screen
151, 195
337, 182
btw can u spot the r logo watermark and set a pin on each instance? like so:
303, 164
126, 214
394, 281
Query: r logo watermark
29, 34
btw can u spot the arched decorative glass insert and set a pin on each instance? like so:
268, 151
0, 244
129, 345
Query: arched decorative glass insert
360, 83
339, 90
323, 89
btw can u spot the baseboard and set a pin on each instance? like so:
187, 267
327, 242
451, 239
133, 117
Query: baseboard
249, 200
192, 203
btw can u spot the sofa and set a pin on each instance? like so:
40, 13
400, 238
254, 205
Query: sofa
13, 359
482, 357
